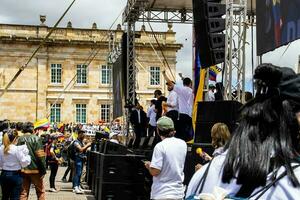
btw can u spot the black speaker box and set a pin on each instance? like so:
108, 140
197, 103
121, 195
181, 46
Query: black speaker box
218, 111
121, 168
90, 167
118, 191
211, 112
93, 170
120, 177
108, 147
98, 169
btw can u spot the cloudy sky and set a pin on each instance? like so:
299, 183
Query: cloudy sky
104, 12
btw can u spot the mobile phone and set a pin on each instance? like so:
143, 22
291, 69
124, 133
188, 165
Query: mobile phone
144, 160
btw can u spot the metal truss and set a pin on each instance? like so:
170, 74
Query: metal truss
167, 16
131, 68
236, 20
133, 10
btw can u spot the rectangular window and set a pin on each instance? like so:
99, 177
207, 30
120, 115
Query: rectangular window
105, 112
55, 113
105, 74
154, 75
81, 113
55, 73
81, 74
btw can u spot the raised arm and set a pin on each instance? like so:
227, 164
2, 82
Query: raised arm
167, 78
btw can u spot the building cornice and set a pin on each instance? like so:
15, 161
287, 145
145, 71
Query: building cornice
71, 42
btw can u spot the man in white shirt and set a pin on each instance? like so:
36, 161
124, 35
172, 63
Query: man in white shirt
151, 114
172, 106
186, 103
167, 163
210, 95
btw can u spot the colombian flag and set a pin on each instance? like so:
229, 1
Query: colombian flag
42, 123
213, 72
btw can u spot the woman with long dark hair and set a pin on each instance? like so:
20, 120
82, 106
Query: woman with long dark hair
12, 159
262, 159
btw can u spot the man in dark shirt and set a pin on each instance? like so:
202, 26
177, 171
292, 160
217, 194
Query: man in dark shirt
158, 105
139, 121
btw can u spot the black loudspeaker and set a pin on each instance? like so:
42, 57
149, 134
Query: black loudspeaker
122, 168
211, 112
97, 177
108, 147
209, 26
192, 159
120, 177
91, 173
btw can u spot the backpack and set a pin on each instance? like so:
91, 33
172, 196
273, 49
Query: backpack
71, 151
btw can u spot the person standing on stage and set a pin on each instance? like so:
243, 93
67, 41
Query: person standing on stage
151, 114
186, 102
158, 105
139, 121
172, 106
210, 95
167, 163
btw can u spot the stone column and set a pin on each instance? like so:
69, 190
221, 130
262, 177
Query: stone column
42, 82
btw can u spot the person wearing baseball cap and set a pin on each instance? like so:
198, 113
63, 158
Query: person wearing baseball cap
167, 163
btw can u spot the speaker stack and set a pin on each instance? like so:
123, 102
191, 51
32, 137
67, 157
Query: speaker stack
116, 174
211, 112
120, 177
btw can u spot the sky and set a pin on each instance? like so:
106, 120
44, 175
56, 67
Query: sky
85, 12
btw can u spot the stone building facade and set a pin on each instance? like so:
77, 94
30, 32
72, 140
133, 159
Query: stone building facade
39, 91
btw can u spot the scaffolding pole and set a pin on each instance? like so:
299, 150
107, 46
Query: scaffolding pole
235, 57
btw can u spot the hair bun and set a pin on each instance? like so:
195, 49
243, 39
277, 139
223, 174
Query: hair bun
268, 75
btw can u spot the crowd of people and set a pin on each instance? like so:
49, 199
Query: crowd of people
27, 152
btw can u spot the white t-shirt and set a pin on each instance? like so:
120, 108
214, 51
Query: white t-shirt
185, 99
282, 190
151, 114
173, 101
17, 158
210, 96
169, 157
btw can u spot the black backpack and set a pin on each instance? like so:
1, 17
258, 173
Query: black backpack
71, 151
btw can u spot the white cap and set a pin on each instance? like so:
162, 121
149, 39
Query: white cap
112, 134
